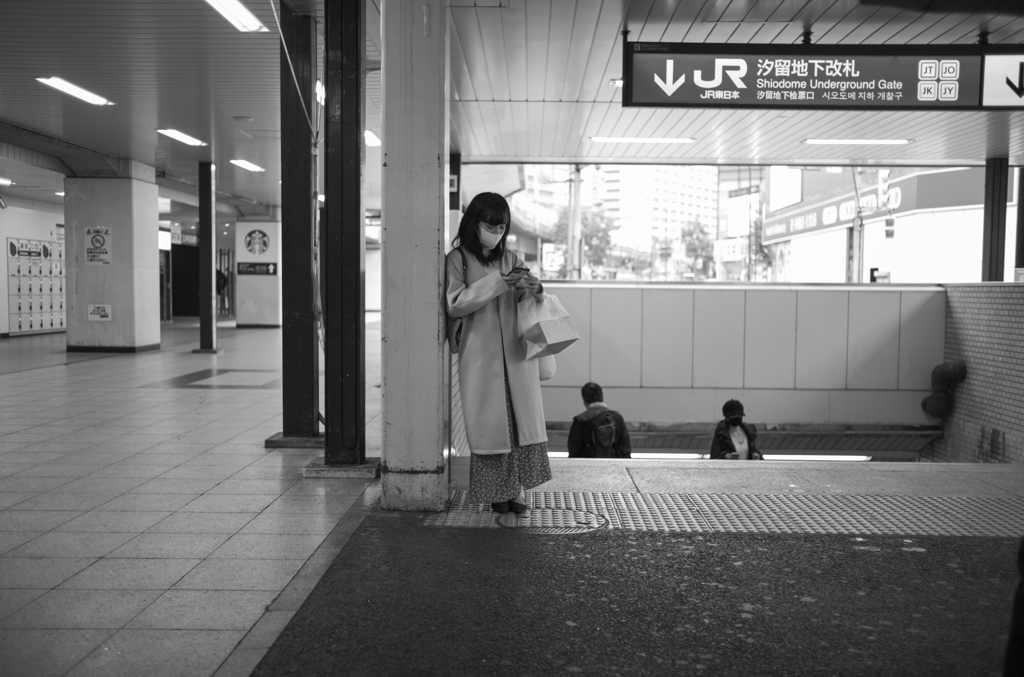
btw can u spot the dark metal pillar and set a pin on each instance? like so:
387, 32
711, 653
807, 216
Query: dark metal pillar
207, 259
993, 251
1018, 259
301, 356
343, 238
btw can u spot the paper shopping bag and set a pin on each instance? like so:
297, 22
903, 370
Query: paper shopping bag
545, 328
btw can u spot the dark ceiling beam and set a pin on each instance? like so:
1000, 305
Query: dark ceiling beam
245, 207
33, 158
48, 152
79, 161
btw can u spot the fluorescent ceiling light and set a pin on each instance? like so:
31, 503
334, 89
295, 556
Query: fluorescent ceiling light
239, 15
60, 194
615, 83
371, 138
178, 136
76, 91
247, 165
640, 139
857, 142
6, 182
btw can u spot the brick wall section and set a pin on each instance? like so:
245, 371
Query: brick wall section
985, 329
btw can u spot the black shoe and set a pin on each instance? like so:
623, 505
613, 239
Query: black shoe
499, 507
518, 507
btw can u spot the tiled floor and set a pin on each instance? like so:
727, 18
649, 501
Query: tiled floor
144, 529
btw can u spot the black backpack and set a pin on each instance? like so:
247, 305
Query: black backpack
600, 433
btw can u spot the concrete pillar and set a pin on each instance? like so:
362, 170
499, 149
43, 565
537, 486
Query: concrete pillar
414, 215
113, 266
258, 274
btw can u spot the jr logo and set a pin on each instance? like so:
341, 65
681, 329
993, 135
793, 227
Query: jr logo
734, 68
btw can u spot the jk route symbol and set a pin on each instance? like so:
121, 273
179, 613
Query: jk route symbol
1004, 81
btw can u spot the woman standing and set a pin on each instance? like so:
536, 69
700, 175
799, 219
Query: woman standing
500, 388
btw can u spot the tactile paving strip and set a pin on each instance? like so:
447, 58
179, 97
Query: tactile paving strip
567, 512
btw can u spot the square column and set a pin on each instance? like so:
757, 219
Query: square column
113, 265
415, 221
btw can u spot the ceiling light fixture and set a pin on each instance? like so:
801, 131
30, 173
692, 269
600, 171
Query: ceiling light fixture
247, 165
321, 197
76, 91
858, 142
5, 182
371, 138
60, 194
179, 136
239, 15
615, 83
321, 93
639, 139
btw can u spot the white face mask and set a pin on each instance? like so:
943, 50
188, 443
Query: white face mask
488, 239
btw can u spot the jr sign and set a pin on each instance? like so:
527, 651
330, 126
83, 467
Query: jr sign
691, 76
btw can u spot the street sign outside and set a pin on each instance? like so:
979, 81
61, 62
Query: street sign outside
816, 77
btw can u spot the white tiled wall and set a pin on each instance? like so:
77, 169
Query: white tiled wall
791, 354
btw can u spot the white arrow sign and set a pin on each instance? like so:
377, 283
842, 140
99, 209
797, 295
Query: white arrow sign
668, 85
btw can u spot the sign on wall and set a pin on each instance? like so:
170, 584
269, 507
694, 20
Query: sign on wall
98, 246
819, 77
35, 285
100, 312
249, 268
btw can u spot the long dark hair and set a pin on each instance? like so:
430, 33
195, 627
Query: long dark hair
490, 208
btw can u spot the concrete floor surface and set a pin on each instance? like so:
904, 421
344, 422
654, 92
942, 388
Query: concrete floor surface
403, 598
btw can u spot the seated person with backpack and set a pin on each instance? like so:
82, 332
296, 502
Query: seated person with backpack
732, 437
599, 432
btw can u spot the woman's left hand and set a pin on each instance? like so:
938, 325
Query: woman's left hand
531, 284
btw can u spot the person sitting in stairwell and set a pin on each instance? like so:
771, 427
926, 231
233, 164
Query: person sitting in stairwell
599, 432
734, 439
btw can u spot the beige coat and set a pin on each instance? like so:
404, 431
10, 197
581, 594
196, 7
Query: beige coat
488, 309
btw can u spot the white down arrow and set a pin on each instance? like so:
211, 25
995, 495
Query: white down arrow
667, 85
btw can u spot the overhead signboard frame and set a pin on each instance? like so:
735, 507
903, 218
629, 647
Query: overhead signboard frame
823, 77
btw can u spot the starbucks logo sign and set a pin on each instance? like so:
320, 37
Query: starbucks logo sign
257, 242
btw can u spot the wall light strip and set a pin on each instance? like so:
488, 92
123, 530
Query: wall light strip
858, 142
371, 138
76, 91
179, 136
640, 139
814, 457
239, 15
247, 165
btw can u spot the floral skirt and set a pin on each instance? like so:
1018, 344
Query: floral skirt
498, 477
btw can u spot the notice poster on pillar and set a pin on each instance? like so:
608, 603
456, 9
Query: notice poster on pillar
35, 286
99, 312
98, 246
